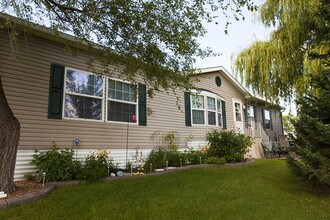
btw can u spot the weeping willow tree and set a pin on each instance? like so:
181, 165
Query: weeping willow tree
296, 60
283, 65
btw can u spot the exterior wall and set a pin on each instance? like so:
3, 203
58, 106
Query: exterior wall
226, 91
276, 118
26, 85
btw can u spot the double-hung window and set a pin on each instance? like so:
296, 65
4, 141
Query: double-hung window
219, 112
206, 109
76, 94
211, 111
122, 102
83, 95
198, 109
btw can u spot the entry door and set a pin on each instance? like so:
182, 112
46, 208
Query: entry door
238, 116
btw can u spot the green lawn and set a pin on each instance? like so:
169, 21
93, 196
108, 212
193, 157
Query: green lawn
264, 190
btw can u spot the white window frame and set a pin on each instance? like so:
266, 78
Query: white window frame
236, 101
211, 110
197, 109
83, 95
219, 123
249, 118
207, 94
121, 101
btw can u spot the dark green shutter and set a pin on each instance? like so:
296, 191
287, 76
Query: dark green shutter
255, 115
271, 121
56, 85
142, 105
246, 116
263, 117
187, 108
224, 120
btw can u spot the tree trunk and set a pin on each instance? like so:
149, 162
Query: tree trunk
9, 138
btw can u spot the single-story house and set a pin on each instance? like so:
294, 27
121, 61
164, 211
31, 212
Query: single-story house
56, 98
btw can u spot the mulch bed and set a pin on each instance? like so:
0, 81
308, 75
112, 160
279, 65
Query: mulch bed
24, 187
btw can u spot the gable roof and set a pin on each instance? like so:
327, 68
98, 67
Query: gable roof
235, 83
228, 76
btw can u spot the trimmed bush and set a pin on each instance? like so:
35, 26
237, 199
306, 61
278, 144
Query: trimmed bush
194, 156
158, 158
96, 166
229, 145
57, 164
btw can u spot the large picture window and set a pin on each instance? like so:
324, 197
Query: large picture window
206, 109
121, 101
83, 95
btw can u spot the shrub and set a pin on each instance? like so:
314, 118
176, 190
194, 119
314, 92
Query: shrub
229, 145
57, 164
170, 140
311, 158
30, 176
96, 166
215, 160
158, 158
194, 156
173, 157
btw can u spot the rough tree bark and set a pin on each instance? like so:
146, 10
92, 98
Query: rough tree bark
9, 138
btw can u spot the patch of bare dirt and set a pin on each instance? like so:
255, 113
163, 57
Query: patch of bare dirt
24, 187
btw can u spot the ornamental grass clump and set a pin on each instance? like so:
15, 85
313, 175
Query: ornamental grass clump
230, 145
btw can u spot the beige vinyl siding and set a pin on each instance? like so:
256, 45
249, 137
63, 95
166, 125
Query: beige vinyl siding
276, 121
26, 84
227, 91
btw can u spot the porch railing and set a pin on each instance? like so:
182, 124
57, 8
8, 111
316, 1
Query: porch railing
256, 130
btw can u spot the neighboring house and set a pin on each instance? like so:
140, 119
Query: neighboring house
56, 98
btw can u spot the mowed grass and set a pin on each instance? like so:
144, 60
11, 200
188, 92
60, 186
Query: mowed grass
264, 190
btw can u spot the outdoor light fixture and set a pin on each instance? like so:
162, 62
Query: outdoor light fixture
76, 141
43, 178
